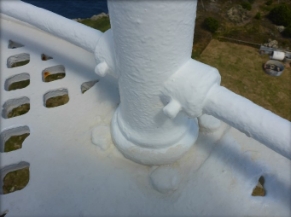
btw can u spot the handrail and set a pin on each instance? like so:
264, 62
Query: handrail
140, 130
196, 90
57, 25
251, 119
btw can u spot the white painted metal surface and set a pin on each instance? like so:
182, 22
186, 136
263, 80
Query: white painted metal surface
147, 53
71, 176
57, 25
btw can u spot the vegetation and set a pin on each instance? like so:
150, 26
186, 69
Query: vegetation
15, 181
246, 5
269, 2
211, 24
281, 15
19, 85
20, 110
287, 31
258, 16
15, 142
102, 24
241, 70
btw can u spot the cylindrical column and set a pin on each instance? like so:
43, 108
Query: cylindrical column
152, 39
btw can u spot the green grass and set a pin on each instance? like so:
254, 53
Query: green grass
102, 24
57, 101
241, 70
15, 142
20, 110
15, 180
53, 77
19, 85
20, 63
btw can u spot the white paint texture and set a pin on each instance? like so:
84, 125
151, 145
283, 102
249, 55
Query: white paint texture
208, 123
101, 136
151, 43
52, 23
190, 86
251, 119
105, 54
70, 176
165, 179
153, 46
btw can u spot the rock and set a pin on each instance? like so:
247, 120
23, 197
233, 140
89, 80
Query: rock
281, 28
237, 14
271, 43
275, 46
98, 16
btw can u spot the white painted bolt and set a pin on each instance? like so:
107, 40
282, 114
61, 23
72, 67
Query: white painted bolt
172, 108
102, 69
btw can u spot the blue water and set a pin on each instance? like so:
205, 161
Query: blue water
72, 8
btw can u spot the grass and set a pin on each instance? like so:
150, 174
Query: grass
241, 70
53, 77
19, 85
102, 24
57, 101
259, 189
15, 142
15, 180
20, 110
20, 63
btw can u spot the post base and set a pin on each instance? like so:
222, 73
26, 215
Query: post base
154, 156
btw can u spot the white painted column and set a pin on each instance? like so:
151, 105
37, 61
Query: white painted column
152, 40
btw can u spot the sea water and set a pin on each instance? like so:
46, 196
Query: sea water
72, 8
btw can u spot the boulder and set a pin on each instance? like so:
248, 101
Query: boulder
237, 14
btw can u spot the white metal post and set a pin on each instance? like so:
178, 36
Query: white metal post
152, 40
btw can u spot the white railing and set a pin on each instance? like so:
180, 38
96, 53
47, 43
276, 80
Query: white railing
52, 23
152, 53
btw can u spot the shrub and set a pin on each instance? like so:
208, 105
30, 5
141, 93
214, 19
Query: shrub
280, 15
251, 1
246, 5
287, 31
211, 24
269, 2
258, 16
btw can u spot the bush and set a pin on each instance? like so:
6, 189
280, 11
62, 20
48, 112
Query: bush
246, 5
280, 15
211, 24
251, 1
258, 16
269, 2
287, 32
